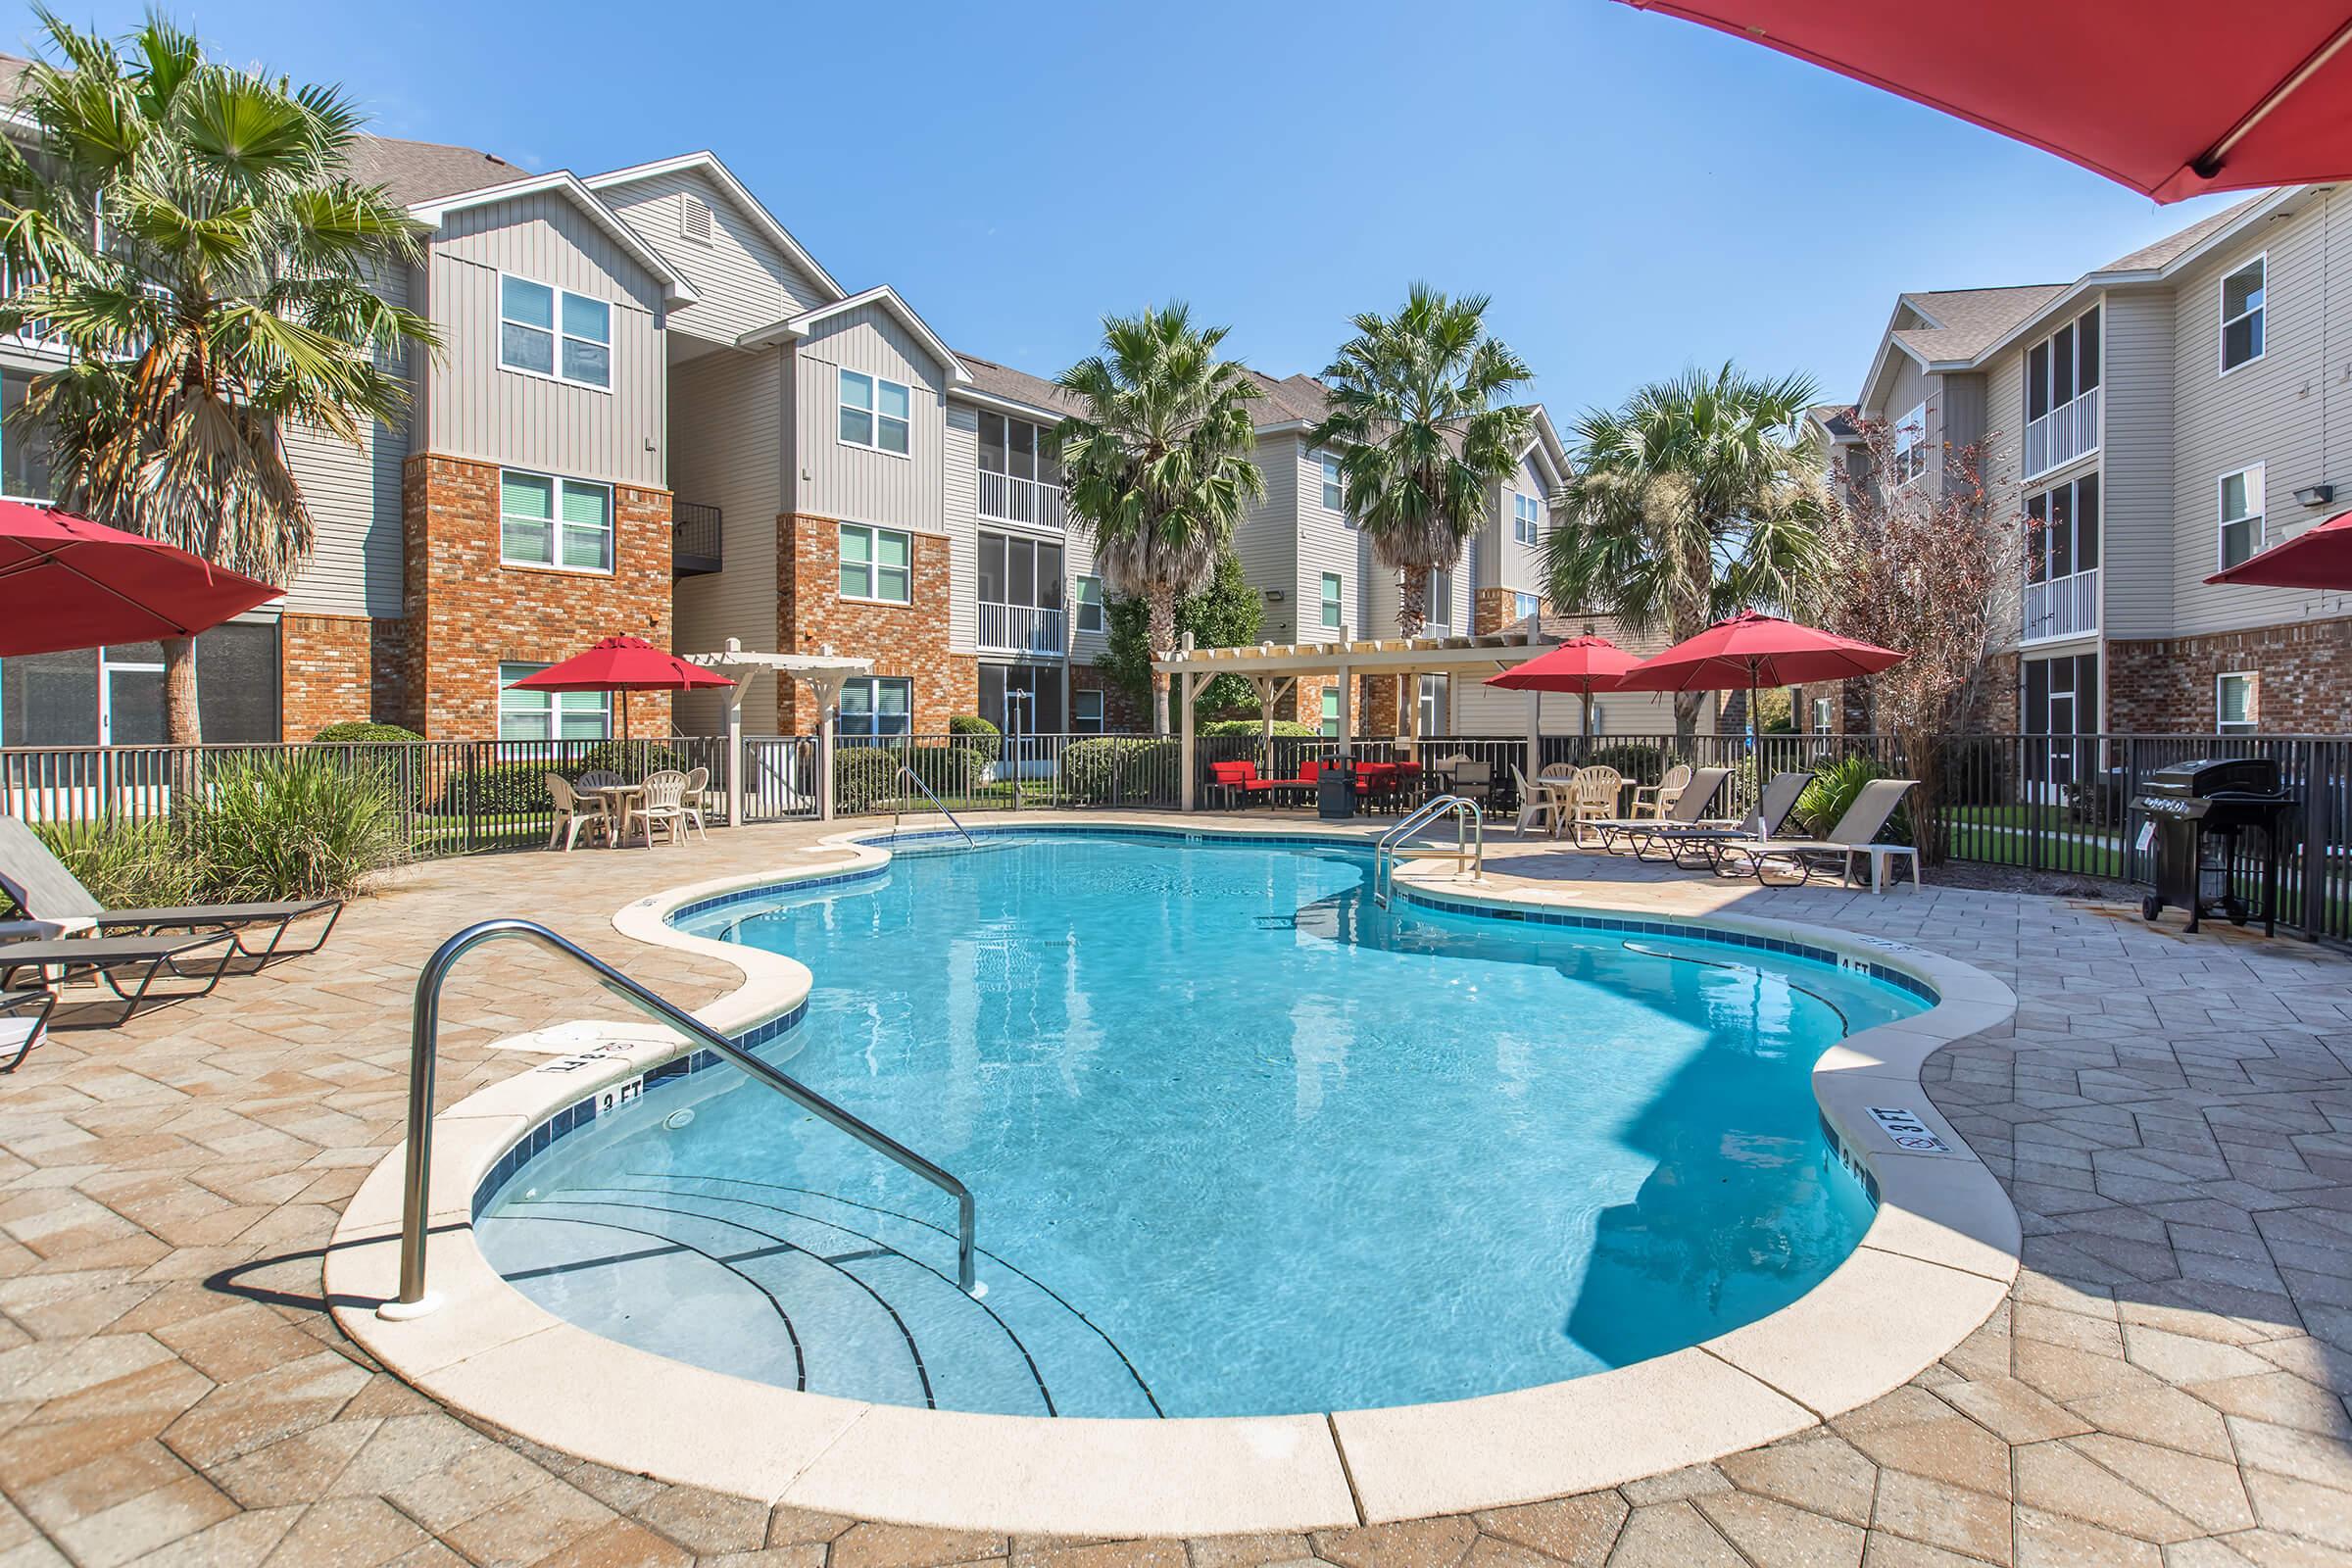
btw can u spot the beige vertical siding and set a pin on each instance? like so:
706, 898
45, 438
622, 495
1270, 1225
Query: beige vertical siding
2135, 464
727, 452
1267, 539
742, 279
857, 483
473, 407
354, 497
1506, 562
2283, 409
1964, 410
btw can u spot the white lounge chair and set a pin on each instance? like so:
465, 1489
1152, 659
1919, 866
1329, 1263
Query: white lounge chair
1856, 832
1693, 797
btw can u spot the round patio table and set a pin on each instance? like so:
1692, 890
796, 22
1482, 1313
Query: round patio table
621, 802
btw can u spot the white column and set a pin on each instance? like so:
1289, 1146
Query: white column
735, 695
828, 693
1184, 729
1346, 712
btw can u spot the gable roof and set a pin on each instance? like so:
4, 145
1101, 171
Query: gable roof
707, 163
883, 297
1292, 400
1003, 383
2174, 245
1969, 320
412, 172
1838, 419
565, 183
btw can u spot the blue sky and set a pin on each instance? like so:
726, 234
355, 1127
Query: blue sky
1635, 193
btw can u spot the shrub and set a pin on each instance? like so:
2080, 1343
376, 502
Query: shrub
1833, 789
1976, 771
1646, 763
1251, 729
949, 769
501, 789
631, 760
296, 828
977, 734
125, 865
359, 731
863, 776
1105, 767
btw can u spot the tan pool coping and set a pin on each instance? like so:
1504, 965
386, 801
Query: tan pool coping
1934, 1264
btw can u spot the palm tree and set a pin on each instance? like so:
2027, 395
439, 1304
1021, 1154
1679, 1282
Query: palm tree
1698, 498
1423, 425
1157, 465
189, 231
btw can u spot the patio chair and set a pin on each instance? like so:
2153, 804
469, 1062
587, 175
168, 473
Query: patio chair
1473, 780
664, 805
38, 882
575, 813
1690, 809
698, 784
1856, 832
1656, 800
1709, 838
194, 956
1534, 806
1593, 799
597, 778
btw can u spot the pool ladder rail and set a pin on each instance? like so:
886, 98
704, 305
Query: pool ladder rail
915, 779
1469, 842
424, 1030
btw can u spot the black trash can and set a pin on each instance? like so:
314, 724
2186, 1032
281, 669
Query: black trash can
1335, 791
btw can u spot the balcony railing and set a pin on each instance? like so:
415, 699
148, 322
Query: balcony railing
1006, 498
31, 333
693, 539
2063, 607
2063, 434
1021, 629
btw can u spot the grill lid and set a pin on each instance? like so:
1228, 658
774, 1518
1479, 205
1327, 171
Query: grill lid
2206, 776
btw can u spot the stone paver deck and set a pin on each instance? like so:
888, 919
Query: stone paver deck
2173, 1118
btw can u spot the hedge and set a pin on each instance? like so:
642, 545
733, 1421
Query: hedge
359, 731
1252, 728
977, 734
1106, 767
863, 776
1641, 764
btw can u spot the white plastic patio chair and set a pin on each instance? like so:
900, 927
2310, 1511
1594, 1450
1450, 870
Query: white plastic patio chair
575, 815
664, 805
1656, 800
1534, 806
698, 783
1596, 798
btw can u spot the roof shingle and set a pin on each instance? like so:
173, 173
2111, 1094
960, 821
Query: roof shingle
1972, 319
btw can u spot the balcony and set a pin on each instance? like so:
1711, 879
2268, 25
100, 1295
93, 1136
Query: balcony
2063, 607
1022, 628
693, 539
1006, 498
2065, 433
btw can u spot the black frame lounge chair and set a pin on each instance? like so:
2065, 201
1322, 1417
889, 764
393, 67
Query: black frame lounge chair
58, 958
1856, 832
1780, 799
43, 889
1689, 811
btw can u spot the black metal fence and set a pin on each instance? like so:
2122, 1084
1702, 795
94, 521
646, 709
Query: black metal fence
2043, 803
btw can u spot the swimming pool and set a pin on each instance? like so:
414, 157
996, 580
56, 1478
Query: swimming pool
1242, 1143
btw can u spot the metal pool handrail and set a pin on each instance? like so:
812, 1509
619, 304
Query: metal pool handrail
915, 779
1469, 840
423, 1040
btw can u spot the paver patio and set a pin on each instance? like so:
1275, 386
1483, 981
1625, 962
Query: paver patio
2172, 1115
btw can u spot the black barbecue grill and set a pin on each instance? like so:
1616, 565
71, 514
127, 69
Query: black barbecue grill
2207, 821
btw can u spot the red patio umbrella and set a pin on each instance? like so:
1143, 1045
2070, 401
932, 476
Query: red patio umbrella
1581, 665
623, 665
2315, 558
1751, 652
67, 582
2173, 98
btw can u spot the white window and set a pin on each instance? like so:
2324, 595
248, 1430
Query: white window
1823, 717
1090, 606
2242, 312
1332, 590
875, 565
547, 521
1086, 712
875, 706
1911, 445
2241, 514
1335, 490
2234, 710
1527, 518
874, 413
1526, 604
527, 715
554, 332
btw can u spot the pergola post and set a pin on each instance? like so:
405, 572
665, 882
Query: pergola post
1184, 729
1347, 710
734, 732
828, 692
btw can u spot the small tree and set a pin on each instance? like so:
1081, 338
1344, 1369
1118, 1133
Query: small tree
1933, 570
1227, 613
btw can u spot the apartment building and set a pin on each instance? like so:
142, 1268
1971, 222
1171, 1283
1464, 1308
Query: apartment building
2153, 422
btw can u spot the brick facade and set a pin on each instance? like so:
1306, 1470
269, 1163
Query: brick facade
1493, 609
326, 672
2303, 679
1121, 711
467, 613
908, 640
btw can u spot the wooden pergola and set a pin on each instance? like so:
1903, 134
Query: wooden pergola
1271, 667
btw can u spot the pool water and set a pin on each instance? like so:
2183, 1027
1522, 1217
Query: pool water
1242, 1143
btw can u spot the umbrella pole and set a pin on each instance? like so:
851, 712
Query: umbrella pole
624, 713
